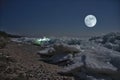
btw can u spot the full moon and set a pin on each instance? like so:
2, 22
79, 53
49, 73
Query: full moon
90, 20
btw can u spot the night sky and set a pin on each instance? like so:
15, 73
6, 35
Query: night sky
58, 17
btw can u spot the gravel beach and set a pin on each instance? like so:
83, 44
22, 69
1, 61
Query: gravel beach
26, 64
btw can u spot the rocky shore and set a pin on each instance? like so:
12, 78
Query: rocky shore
61, 59
20, 62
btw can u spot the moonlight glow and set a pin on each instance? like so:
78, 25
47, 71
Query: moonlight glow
90, 20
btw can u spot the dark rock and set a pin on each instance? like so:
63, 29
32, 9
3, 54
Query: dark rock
3, 41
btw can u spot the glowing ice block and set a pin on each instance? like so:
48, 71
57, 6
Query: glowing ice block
41, 41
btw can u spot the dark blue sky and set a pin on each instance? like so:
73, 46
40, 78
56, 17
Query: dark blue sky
58, 17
